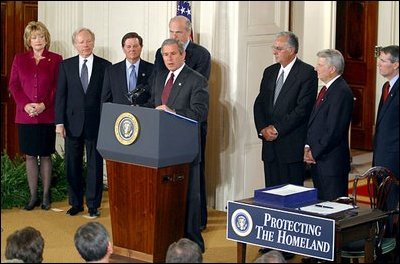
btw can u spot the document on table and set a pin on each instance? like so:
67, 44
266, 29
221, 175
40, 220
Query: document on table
326, 208
288, 190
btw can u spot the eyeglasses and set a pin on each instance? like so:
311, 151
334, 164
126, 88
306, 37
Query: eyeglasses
278, 48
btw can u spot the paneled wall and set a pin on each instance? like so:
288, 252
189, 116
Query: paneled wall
238, 35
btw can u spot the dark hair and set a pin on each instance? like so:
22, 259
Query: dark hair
91, 241
184, 251
393, 50
26, 244
181, 47
132, 35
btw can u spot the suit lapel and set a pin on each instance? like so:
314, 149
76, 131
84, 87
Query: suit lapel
121, 75
178, 84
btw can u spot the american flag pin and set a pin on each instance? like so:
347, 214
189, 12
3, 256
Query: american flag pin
143, 74
180, 84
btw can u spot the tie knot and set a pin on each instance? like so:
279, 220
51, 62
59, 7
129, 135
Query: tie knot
386, 85
172, 75
84, 61
132, 66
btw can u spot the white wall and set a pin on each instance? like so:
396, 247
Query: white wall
238, 36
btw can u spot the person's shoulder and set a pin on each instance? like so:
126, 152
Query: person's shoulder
102, 60
146, 63
194, 73
199, 48
54, 55
304, 65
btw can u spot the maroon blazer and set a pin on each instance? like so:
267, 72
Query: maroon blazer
31, 83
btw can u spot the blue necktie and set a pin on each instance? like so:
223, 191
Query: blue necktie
132, 79
84, 76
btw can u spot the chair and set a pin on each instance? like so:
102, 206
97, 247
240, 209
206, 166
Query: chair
380, 182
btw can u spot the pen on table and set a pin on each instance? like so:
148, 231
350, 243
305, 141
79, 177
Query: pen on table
324, 206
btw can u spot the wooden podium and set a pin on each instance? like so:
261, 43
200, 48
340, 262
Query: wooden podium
147, 179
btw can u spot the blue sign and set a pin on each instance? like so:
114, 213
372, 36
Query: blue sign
281, 230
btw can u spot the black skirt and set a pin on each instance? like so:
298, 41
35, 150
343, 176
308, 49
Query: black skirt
37, 139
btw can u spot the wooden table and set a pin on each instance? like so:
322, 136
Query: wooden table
350, 227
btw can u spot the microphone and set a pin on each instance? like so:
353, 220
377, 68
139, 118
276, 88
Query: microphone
135, 94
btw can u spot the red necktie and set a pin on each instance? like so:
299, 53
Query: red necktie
167, 89
385, 91
320, 96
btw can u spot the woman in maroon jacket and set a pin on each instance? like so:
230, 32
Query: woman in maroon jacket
33, 83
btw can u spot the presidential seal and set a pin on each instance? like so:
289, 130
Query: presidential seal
126, 128
241, 222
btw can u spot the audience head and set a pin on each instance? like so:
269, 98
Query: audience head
36, 30
173, 54
272, 256
93, 242
132, 45
25, 244
388, 61
285, 48
184, 251
330, 63
180, 28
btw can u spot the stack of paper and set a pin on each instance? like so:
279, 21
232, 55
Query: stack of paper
326, 208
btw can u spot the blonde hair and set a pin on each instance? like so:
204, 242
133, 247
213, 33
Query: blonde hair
32, 27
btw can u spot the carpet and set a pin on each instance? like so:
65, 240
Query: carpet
362, 191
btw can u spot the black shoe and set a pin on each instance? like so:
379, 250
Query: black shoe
45, 206
93, 212
32, 204
74, 210
202, 228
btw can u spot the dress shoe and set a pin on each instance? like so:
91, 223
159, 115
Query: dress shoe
93, 213
45, 206
32, 204
74, 210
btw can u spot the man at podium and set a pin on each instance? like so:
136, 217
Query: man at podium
181, 90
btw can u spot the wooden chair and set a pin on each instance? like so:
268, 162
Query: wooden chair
380, 182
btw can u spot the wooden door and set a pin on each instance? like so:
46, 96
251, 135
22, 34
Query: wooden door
15, 15
356, 37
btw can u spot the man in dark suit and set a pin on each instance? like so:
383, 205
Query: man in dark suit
199, 59
327, 146
386, 140
183, 91
117, 77
77, 119
282, 125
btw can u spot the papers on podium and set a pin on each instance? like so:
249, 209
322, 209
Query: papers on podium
326, 208
288, 195
181, 116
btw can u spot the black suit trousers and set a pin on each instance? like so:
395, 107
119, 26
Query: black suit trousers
94, 179
192, 225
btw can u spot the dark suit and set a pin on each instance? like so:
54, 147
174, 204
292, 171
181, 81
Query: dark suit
199, 59
386, 140
283, 157
115, 87
188, 97
80, 114
328, 138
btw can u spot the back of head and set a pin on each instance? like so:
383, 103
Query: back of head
272, 256
92, 241
26, 244
184, 251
